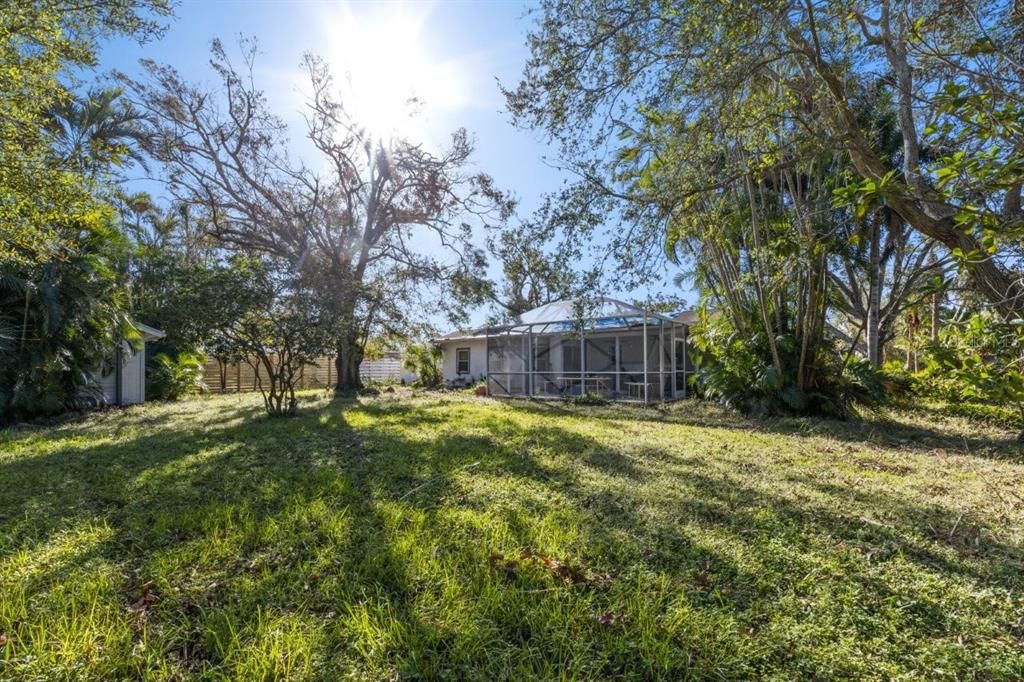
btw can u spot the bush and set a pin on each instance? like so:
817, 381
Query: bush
736, 370
424, 360
897, 381
995, 415
171, 379
979, 362
590, 399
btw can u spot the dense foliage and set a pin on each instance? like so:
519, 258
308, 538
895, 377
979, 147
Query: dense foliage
171, 378
978, 360
63, 304
62, 318
424, 360
816, 167
736, 368
40, 43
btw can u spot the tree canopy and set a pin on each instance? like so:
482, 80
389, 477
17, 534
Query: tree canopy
41, 43
700, 95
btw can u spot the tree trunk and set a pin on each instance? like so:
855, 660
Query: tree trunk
935, 307
349, 356
924, 212
874, 294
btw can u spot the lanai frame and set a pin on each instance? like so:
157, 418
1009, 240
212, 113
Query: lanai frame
519, 358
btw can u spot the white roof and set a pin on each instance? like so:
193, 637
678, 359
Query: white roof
687, 316
561, 311
461, 335
149, 332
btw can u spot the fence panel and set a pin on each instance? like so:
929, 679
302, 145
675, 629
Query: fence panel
241, 377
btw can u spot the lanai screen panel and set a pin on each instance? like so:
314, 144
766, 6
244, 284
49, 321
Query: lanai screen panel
557, 362
606, 356
507, 354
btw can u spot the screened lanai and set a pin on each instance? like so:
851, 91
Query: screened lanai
607, 348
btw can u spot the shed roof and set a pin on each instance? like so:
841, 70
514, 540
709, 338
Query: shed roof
148, 332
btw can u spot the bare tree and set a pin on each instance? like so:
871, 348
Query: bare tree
359, 221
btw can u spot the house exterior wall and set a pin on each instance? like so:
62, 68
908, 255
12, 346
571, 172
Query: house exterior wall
477, 359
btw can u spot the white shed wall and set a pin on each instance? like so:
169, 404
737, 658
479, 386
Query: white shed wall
108, 383
133, 376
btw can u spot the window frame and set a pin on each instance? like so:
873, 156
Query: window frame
469, 354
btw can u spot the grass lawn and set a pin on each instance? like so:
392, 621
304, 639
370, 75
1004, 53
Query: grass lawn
464, 538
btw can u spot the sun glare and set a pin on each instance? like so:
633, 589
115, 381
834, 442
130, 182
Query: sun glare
389, 80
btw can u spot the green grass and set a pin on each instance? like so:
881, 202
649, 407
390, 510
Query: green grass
464, 538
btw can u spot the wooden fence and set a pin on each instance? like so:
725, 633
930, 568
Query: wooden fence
241, 377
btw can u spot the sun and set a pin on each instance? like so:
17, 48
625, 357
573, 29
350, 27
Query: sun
390, 81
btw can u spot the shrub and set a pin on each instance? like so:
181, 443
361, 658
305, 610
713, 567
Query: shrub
590, 399
424, 360
979, 361
988, 414
170, 379
736, 370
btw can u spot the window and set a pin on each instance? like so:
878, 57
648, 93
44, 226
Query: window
462, 361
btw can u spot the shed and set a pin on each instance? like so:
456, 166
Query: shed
124, 381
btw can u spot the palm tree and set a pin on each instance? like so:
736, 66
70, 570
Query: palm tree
61, 319
103, 130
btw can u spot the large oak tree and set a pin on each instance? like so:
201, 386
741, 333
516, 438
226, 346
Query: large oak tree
357, 220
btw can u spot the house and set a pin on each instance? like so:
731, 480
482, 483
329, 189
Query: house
602, 347
463, 356
123, 382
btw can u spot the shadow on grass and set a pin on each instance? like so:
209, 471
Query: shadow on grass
308, 515
873, 429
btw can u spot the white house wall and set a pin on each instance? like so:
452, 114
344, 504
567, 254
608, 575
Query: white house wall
477, 359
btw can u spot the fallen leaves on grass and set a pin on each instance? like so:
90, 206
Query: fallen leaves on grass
874, 465
702, 576
146, 598
562, 570
139, 609
610, 618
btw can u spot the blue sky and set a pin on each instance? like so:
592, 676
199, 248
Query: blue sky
452, 53
478, 42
